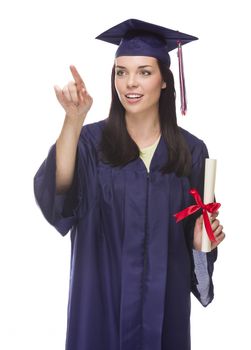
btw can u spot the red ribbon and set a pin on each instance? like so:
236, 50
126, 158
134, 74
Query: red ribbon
206, 208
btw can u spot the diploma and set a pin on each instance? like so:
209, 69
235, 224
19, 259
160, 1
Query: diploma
209, 187
208, 207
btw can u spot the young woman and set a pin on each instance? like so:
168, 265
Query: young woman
116, 184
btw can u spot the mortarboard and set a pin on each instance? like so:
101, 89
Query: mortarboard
139, 38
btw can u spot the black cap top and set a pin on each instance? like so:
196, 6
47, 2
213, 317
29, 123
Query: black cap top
139, 38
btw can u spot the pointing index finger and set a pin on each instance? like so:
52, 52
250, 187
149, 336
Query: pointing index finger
77, 77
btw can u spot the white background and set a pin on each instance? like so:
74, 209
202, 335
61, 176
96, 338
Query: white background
39, 40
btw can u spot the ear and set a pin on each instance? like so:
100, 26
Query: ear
163, 85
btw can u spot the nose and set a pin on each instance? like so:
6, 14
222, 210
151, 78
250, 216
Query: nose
132, 81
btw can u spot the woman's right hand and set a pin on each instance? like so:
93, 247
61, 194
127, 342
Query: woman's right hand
74, 97
76, 102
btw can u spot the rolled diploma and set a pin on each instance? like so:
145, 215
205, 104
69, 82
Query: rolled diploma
209, 187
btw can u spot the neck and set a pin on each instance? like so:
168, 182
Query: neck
143, 129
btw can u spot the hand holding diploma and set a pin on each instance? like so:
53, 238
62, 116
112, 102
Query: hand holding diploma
208, 232
217, 230
201, 239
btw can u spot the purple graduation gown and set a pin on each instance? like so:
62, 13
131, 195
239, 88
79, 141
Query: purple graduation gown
132, 265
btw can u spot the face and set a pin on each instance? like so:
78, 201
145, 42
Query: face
138, 83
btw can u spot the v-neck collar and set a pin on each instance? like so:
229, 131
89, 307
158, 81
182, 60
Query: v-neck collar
159, 159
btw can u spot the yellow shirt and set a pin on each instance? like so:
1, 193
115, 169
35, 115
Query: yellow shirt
146, 154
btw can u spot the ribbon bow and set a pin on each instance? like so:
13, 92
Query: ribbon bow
206, 208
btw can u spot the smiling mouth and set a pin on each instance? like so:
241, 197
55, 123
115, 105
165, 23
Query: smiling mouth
133, 96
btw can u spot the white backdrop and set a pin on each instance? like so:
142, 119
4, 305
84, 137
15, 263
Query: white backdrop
39, 40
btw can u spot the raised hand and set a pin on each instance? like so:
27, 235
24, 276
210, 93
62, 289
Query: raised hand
74, 97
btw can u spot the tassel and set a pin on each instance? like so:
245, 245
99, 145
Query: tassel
182, 81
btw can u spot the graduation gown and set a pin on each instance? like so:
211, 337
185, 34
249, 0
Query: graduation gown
132, 266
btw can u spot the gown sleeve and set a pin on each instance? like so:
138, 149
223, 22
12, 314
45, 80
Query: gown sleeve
63, 210
202, 263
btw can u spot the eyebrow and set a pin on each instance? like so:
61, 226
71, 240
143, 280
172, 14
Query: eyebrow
145, 66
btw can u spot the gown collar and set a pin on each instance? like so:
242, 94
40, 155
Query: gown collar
159, 159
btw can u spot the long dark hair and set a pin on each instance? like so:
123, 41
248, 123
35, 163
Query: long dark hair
118, 148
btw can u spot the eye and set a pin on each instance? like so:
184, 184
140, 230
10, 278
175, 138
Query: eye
120, 72
145, 72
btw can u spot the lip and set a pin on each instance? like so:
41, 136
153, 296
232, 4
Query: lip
133, 98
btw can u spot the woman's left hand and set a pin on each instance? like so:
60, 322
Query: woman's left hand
217, 230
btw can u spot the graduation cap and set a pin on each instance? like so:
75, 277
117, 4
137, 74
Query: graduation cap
139, 38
